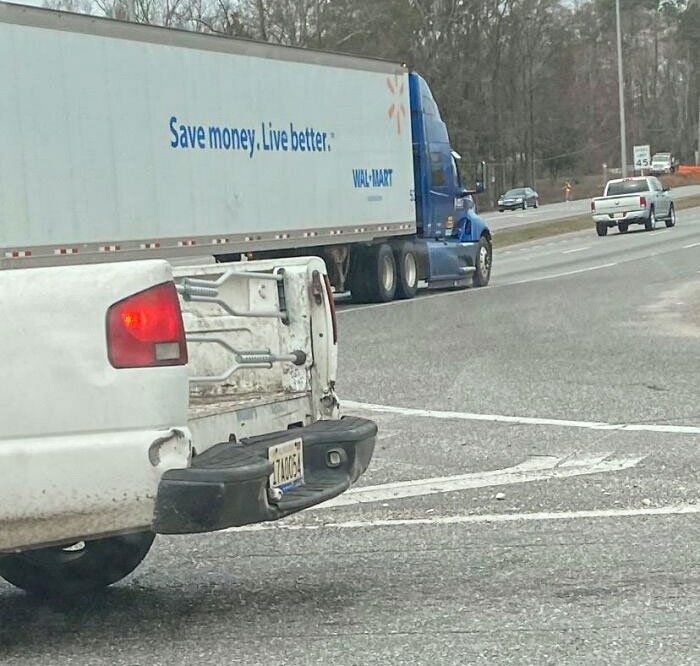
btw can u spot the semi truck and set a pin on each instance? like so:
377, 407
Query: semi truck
123, 141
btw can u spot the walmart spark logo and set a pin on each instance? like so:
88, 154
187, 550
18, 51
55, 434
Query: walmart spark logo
397, 109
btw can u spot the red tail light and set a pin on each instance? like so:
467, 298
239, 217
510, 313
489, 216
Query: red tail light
593, 206
643, 202
146, 329
331, 304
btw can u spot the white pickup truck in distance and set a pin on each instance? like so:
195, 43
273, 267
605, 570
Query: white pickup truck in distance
140, 399
662, 163
642, 200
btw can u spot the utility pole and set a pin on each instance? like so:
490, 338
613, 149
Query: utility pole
621, 90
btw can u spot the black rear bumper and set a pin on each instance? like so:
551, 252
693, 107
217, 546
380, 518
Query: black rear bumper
227, 485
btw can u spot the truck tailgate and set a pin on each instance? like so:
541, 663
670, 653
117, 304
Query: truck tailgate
622, 204
262, 309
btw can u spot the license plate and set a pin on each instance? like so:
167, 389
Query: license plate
619, 216
287, 461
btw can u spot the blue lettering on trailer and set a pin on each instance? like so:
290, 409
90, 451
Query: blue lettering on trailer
290, 138
372, 177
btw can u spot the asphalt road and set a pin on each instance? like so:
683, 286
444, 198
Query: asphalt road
556, 416
558, 211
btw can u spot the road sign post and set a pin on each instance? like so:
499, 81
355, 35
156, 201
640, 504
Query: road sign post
642, 158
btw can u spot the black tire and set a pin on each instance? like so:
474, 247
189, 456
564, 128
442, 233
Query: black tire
407, 271
537, 204
373, 274
601, 228
623, 227
650, 222
671, 219
484, 256
500, 210
60, 571
524, 205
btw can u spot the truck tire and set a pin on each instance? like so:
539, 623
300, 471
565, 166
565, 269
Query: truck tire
484, 255
373, 274
79, 569
601, 228
623, 227
650, 222
671, 219
407, 271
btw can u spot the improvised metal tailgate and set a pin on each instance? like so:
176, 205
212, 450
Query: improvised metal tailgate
261, 351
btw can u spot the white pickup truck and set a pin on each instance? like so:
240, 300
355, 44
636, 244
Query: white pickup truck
140, 399
642, 200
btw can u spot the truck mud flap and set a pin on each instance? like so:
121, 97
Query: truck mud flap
230, 484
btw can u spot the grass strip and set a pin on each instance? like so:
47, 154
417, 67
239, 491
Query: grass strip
529, 232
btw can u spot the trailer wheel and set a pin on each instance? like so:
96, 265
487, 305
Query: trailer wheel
407, 269
484, 255
373, 274
76, 569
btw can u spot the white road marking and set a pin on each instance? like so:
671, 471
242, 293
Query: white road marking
577, 249
481, 519
559, 275
685, 247
535, 468
524, 420
479, 290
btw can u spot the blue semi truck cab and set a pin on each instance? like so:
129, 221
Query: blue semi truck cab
457, 243
452, 246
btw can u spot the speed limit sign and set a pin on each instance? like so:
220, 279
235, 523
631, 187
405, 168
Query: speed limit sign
642, 157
